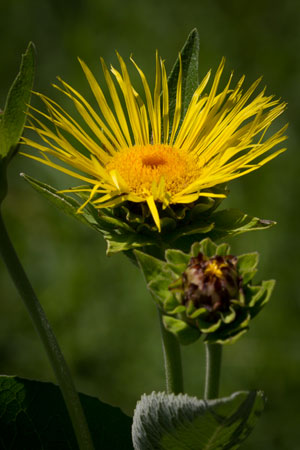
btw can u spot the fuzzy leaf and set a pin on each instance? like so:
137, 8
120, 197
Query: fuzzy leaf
14, 115
169, 422
33, 416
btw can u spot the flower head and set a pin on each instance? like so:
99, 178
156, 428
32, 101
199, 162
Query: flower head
137, 151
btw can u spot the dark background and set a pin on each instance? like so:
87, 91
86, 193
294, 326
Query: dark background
100, 311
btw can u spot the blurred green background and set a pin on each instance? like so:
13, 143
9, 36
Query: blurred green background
100, 311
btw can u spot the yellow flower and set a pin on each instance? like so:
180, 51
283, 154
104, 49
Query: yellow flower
135, 151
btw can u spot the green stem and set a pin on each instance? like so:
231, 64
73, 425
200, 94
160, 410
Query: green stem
48, 339
213, 370
172, 360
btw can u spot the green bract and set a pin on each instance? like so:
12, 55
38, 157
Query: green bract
220, 306
127, 227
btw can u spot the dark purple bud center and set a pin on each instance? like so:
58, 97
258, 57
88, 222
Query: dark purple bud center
211, 282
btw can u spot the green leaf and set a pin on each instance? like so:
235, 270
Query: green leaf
190, 231
120, 237
230, 222
223, 249
177, 261
14, 115
246, 265
190, 80
150, 266
227, 338
261, 295
33, 416
3, 179
208, 247
124, 241
184, 333
208, 327
228, 333
64, 202
180, 422
177, 257
159, 287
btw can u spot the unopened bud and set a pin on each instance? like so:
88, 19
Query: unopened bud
211, 282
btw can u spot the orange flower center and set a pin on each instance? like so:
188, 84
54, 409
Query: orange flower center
141, 166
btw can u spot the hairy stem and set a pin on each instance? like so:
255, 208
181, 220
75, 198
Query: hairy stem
213, 370
172, 360
48, 339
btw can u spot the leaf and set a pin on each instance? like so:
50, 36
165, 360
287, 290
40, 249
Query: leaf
208, 247
223, 249
177, 261
180, 422
3, 179
230, 222
177, 257
150, 266
190, 80
120, 237
246, 265
183, 332
33, 416
120, 240
64, 202
190, 231
227, 338
260, 296
14, 115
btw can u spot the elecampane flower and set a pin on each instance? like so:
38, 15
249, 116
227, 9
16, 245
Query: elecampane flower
137, 151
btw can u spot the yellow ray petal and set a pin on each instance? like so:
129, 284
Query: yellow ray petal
117, 104
101, 100
165, 95
153, 209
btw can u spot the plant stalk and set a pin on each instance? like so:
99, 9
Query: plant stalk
213, 370
172, 360
48, 339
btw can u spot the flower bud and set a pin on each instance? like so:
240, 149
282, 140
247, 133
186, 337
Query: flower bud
211, 282
207, 292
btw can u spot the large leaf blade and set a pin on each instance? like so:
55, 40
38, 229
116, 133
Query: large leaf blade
169, 422
33, 417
